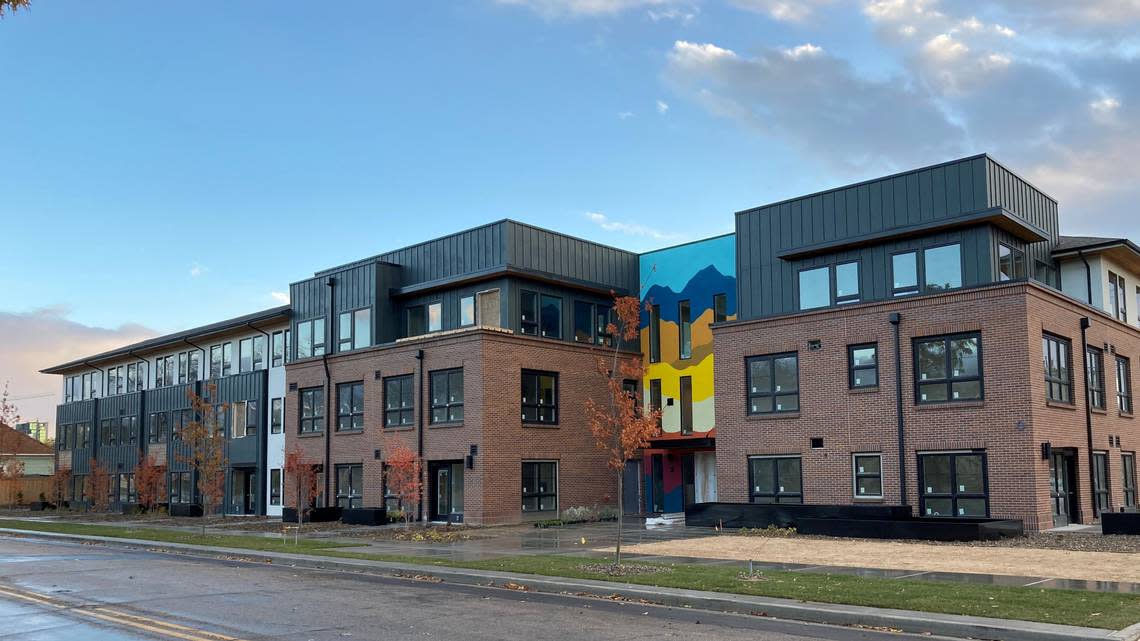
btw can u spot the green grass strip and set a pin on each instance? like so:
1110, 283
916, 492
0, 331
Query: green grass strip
1069, 607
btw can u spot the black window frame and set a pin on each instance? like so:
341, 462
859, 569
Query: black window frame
1118, 289
428, 325
276, 415
463, 302
772, 393
684, 330
355, 339
828, 287
178, 482
1128, 478
654, 333
954, 495
314, 330
1102, 485
157, 425
778, 492
720, 308
587, 308
685, 394
315, 420
1058, 388
529, 310
906, 290
857, 474
449, 406
926, 286
853, 369
1095, 394
949, 380
405, 386
353, 419
1018, 269
655, 397
556, 331
415, 320
1124, 384
538, 493
277, 349
537, 404
847, 299
275, 485
353, 498
249, 413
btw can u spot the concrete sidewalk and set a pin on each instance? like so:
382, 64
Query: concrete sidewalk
845, 615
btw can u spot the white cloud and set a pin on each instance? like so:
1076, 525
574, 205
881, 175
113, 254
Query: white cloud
280, 297
686, 53
685, 15
625, 115
632, 229
944, 47
662, 107
784, 10
803, 51
582, 8
197, 270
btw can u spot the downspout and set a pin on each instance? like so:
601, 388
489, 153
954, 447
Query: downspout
263, 433
420, 430
1086, 322
331, 282
1088, 274
896, 321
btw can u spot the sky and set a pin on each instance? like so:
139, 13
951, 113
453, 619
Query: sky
166, 165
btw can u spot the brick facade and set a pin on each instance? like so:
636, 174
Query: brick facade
492, 362
1009, 424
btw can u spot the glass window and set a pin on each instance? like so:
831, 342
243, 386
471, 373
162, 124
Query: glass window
350, 406
243, 417
354, 330
435, 317
466, 311
583, 322
417, 320
350, 486
720, 308
654, 333
1044, 273
399, 403
157, 427
1123, 385
868, 475
278, 349
344, 332
686, 404
1094, 377
685, 333
447, 396
1118, 297
655, 397
603, 318
948, 368
847, 282
815, 288
904, 272
539, 397
863, 365
953, 484
528, 313
245, 355
311, 338
275, 487
1058, 365
1100, 483
312, 414
943, 267
1011, 263
1128, 470
277, 415
539, 486
773, 384
551, 316
227, 358
775, 479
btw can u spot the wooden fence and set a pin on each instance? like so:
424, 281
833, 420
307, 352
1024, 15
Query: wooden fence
24, 490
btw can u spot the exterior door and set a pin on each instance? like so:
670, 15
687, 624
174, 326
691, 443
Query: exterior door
447, 491
688, 480
657, 484
1061, 488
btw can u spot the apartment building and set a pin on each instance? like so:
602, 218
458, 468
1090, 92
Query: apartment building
129, 403
477, 350
929, 339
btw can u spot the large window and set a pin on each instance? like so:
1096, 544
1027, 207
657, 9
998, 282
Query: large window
815, 288
528, 313
354, 330
156, 427
1011, 263
1094, 377
720, 308
311, 338
539, 486
1101, 493
1128, 471
466, 311
904, 272
399, 405
251, 354
847, 282
654, 333
863, 365
943, 267
349, 406
1124, 385
583, 322
685, 331
867, 470
1057, 353
350, 486
243, 417
215, 362
164, 371
136, 377
276, 415
278, 358
126, 489
539, 397
434, 317
775, 479
180, 420
686, 404
189, 366
447, 396
551, 316
1118, 297
948, 368
953, 484
417, 320
312, 414
275, 486
773, 384
182, 487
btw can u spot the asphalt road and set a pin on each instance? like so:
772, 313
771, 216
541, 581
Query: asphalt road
71, 592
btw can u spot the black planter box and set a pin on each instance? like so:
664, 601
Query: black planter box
1120, 522
315, 515
40, 506
760, 515
365, 516
185, 509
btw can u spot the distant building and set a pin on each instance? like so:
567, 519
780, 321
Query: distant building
35, 429
38, 459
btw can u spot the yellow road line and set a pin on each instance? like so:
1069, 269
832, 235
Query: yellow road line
118, 617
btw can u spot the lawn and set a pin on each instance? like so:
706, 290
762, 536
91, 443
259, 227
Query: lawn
1069, 607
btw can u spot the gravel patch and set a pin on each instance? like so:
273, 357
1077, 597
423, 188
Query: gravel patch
625, 569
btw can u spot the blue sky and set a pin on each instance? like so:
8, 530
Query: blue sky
169, 164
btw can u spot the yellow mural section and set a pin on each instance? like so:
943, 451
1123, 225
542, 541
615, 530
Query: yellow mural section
671, 368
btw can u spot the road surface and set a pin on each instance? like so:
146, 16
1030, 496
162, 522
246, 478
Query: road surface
56, 591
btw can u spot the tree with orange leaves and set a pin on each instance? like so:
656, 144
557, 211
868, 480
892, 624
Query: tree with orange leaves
205, 439
60, 482
98, 487
621, 427
150, 479
303, 475
404, 477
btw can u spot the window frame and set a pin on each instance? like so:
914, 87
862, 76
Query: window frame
248, 426
356, 339
656, 398
1128, 478
352, 501
1102, 485
1013, 260
308, 328
450, 404
1124, 385
856, 475
847, 299
275, 486
778, 491
352, 415
277, 349
435, 325
277, 415
926, 287
464, 301
720, 307
685, 399
1118, 292
800, 287
400, 380
655, 333
591, 325
950, 379
418, 314
1095, 393
955, 495
853, 369
529, 327
906, 290
684, 329
537, 493
157, 424
1063, 384
542, 328
316, 419
538, 406
773, 393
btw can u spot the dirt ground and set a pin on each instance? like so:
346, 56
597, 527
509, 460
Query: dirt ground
919, 557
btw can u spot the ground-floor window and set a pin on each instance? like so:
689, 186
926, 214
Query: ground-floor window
1128, 470
775, 479
953, 484
1100, 482
868, 474
78, 487
350, 486
181, 487
539, 486
126, 489
275, 487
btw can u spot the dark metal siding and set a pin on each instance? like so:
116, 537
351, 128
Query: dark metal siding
1007, 190
473, 250
548, 252
79, 412
119, 458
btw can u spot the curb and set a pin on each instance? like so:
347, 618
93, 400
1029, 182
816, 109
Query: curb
948, 625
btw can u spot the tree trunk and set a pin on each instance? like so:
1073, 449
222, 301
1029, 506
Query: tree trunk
621, 516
